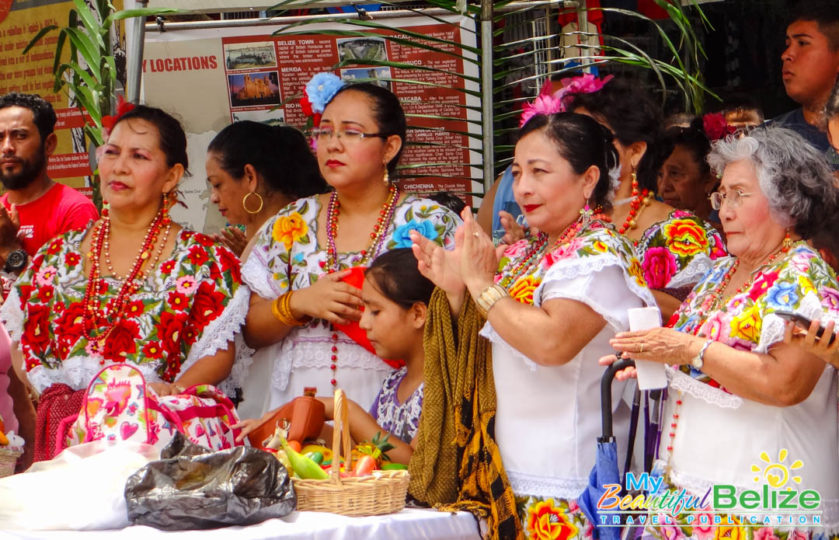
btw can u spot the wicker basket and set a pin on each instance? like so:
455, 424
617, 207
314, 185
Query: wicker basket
382, 492
8, 460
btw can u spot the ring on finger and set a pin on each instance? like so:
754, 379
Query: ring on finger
642, 349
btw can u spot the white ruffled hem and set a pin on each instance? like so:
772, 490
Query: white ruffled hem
78, 371
700, 390
772, 326
540, 486
256, 276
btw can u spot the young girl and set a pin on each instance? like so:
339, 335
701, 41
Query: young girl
395, 297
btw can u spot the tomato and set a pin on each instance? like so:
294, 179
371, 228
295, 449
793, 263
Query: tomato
364, 466
295, 446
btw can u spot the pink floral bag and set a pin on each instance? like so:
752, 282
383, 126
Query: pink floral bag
119, 407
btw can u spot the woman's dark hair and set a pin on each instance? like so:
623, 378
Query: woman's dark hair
387, 111
280, 154
583, 142
632, 117
396, 276
172, 136
692, 138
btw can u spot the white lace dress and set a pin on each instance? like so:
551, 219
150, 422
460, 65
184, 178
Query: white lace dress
286, 254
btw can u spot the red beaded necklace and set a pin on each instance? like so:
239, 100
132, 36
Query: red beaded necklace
95, 316
376, 237
538, 251
376, 240
640, 199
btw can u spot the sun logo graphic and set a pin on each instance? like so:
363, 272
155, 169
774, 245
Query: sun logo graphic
777, 473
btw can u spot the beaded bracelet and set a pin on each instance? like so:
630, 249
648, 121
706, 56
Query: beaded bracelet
488, 298
281, 309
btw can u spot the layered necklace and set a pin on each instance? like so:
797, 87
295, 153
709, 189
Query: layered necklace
376, 241
95, 315
539, 249
637, 202
376, 236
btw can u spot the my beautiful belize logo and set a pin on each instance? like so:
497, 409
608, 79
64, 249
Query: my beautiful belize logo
776, 501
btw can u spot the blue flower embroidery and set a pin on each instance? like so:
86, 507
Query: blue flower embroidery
402, 238
321, 89
782, 295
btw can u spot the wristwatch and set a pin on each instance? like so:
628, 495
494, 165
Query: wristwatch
16, 261
699, 360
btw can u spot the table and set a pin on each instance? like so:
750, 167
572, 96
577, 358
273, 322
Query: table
409, 524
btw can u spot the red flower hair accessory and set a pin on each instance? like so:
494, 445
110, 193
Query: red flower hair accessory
716, 127
109, 121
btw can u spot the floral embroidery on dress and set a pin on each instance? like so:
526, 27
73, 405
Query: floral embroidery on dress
596, 240
164, 318
669, 247
400, 419
739, 321
552, 519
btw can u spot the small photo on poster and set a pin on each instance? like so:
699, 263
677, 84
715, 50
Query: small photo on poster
375, 75
256, 88
258, 54
274, 117
362, 49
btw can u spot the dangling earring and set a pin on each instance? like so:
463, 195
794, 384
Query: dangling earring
585, 214
169, 199
245, 202
386, 178
786, 245
106, 210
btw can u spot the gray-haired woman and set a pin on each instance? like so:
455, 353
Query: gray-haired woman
735, 386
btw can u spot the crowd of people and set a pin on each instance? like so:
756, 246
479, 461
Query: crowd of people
477, 342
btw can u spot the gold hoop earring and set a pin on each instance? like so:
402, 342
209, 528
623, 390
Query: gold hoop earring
245, 202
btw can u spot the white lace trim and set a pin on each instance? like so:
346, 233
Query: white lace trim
546, 487
691, 274
699, 486
77, 372
309, 348
700, 390
570, 269
218, 333
254, 271
772, 326
12, 316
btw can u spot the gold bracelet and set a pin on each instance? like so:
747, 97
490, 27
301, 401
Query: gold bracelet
281, 309
489, 297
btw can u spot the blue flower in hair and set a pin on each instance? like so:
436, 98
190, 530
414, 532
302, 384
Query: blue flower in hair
321, 89
402, 235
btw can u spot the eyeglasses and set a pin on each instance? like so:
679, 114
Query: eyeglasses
733, 198
347, 136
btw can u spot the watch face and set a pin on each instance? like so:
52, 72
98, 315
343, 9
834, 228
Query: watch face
16, 260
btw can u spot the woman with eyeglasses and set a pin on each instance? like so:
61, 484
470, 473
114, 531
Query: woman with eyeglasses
303, 257
734, 383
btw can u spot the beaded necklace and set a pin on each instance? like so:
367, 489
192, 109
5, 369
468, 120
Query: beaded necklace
637, 202
376, 240
538, 251
95, 315
376, 237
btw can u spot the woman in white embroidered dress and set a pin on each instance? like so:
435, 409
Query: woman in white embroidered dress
551, 305
734, 384
302, 306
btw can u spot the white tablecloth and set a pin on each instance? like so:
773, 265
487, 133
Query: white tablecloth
411, 523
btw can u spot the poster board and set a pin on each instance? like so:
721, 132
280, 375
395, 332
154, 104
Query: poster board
211, 77
31, 73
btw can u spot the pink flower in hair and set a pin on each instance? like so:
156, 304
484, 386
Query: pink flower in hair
547, 103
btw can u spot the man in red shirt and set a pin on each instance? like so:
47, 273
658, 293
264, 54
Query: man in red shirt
34, 208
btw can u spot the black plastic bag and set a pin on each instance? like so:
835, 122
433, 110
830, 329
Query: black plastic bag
191, 487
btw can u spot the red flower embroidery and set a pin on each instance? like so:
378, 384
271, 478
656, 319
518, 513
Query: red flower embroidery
45, 294
169, 331
204, 240
55, 246
207, 304
178, 301
25, 292
72, 259
71, 322
152, 349
36, 332
167, 267
198, 255
659, 267
135, 309
762, 284
122, 340
229, 263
